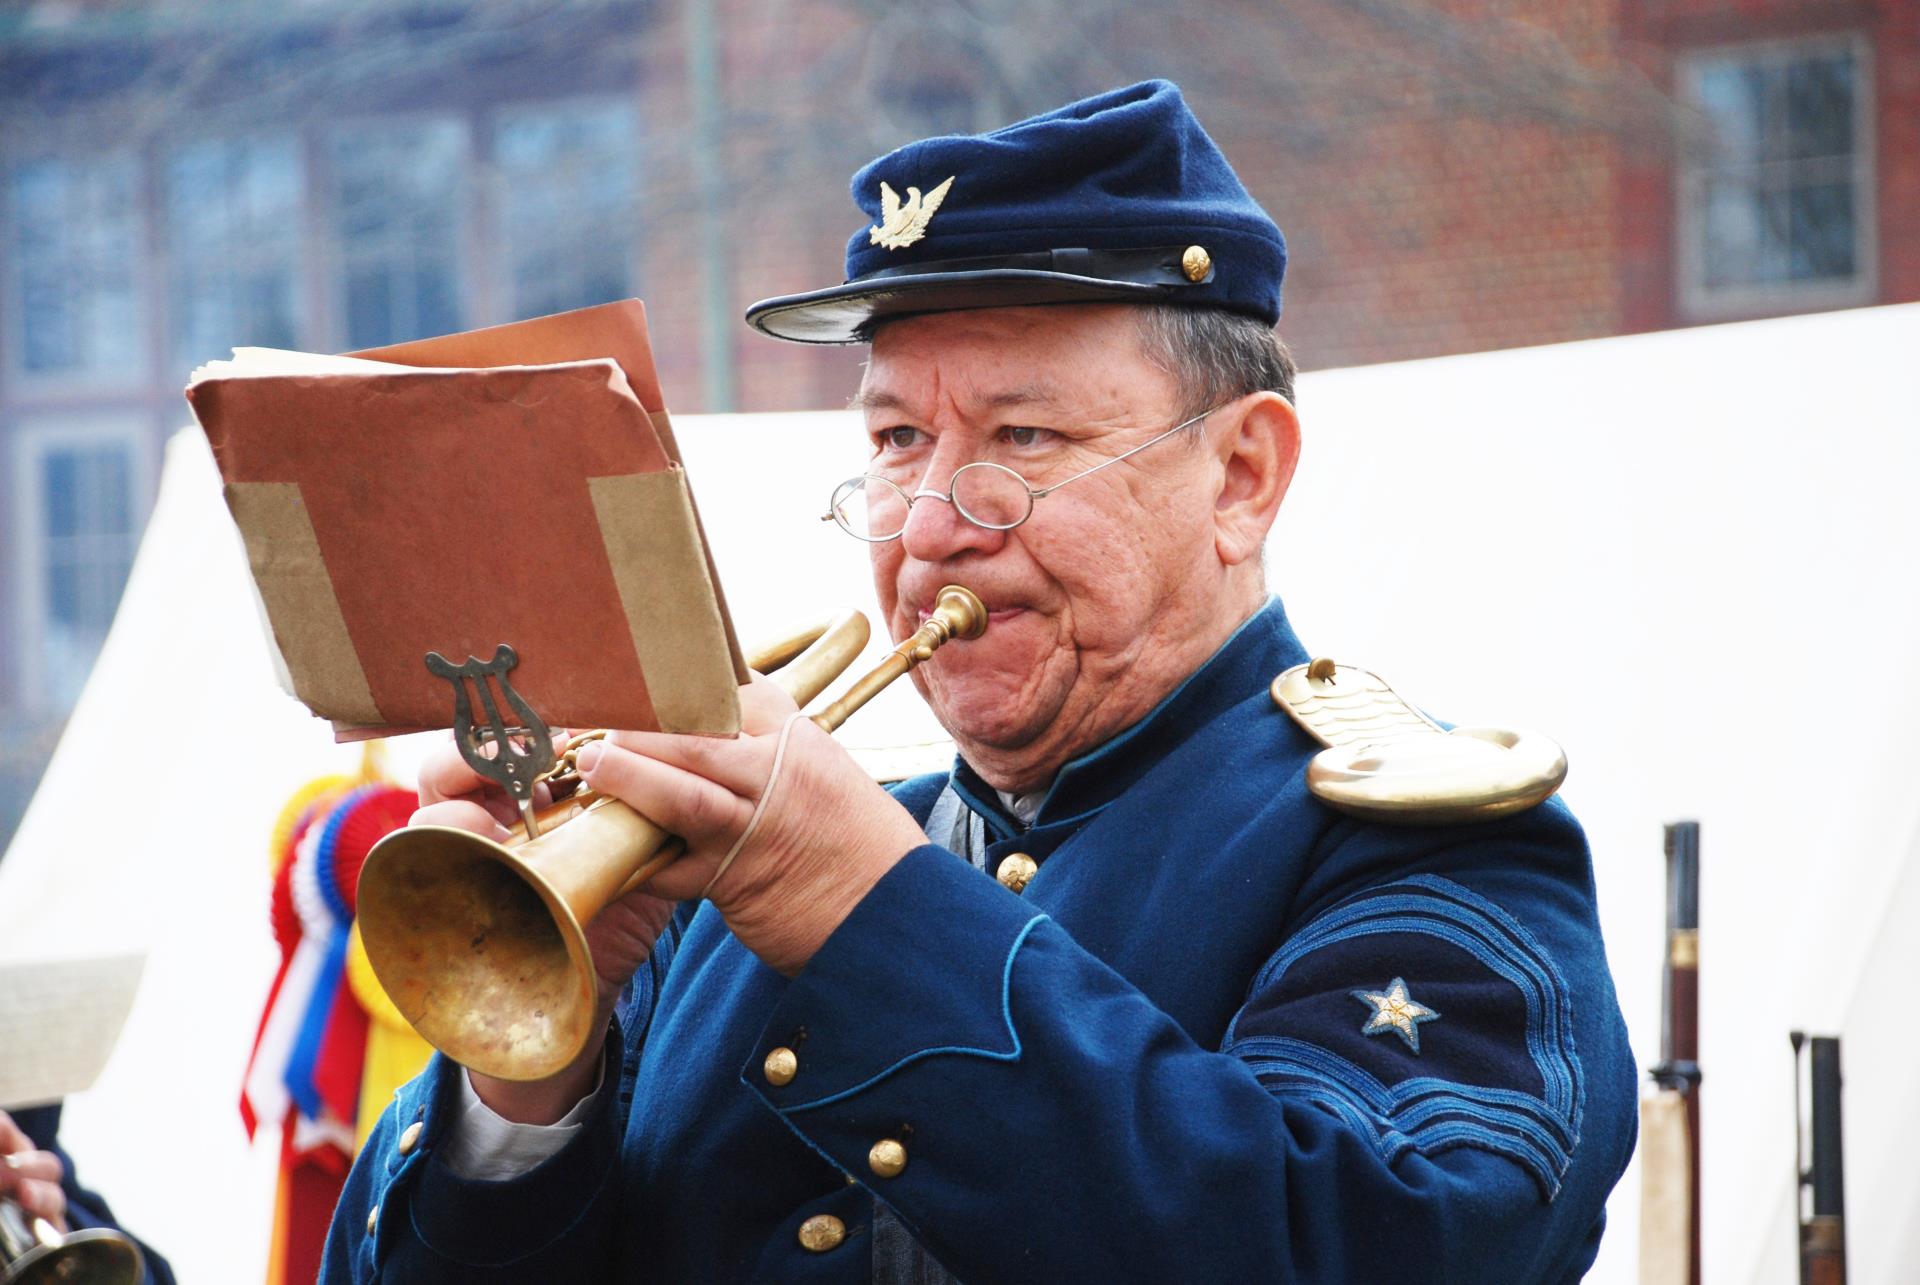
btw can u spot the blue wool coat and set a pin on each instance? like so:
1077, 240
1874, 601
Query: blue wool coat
1163, 1062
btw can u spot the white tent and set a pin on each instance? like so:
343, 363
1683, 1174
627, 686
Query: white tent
1685, 555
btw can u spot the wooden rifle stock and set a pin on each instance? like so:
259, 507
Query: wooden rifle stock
1679, 1068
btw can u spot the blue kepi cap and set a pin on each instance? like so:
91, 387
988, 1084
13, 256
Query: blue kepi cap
1116, 198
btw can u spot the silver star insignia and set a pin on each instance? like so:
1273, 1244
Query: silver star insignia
1395, 1010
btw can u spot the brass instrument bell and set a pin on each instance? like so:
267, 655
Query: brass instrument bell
481, 944
35, 1252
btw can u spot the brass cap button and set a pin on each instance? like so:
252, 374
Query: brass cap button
373, 1219
887, 1158
1016, 871
1196, 263
822, 1232
410, 1137
781, 1066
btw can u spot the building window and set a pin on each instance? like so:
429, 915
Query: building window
567, 177
1776, 196
398, 190
80, 496
234, 211
73, 257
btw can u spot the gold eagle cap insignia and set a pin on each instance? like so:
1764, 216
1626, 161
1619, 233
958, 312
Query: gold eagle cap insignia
904, 222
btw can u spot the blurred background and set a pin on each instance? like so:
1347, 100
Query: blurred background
1454, 177
184, 175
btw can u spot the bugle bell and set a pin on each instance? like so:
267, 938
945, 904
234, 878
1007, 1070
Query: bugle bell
35, 1252
481, 944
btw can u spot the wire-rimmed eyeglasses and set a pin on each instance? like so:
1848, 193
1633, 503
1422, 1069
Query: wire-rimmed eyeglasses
874, 508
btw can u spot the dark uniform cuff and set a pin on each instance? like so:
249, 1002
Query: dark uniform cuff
491, 1222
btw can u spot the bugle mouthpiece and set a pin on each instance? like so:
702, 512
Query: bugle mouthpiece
961, 611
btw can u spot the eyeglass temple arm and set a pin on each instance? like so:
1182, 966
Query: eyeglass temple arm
1049, 490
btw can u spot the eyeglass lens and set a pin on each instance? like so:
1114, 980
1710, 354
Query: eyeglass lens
988, 495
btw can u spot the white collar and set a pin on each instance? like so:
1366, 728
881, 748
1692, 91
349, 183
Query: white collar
1023, 806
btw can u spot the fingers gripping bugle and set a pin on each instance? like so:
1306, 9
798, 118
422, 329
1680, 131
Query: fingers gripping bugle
481, 945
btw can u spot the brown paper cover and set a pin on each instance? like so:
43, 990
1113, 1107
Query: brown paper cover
617, 330
454, 509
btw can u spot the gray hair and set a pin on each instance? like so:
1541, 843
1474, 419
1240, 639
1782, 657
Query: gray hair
1213, 355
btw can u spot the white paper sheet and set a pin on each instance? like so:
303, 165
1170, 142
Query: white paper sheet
59, 1020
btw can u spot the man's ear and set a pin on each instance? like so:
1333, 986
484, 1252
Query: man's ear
1257, 455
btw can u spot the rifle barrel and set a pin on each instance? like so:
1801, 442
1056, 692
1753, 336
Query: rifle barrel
1679, 1067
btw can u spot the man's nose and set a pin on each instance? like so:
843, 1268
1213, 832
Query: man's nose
936, 529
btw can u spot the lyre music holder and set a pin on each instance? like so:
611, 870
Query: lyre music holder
523, 753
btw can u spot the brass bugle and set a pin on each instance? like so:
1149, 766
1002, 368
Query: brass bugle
35, 1252
480, 945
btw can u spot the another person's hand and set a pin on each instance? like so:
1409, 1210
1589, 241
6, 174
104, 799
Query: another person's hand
30, 1177
826, 834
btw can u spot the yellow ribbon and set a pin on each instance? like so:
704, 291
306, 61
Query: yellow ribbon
395, 1053
304, 798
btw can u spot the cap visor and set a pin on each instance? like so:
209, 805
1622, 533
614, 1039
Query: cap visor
845, 314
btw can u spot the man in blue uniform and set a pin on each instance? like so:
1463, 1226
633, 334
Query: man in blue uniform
1120, 998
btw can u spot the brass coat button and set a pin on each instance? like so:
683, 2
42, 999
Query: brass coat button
373, 1219
1016, 871
822, 1232
410, 1137
1196, 263
781, 1066
887, 1158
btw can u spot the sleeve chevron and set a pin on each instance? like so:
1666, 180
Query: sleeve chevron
1486, 1060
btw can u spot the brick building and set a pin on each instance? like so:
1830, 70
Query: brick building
1454, 175
1795, 185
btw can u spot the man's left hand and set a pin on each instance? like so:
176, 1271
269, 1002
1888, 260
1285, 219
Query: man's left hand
30, 1177
825, 837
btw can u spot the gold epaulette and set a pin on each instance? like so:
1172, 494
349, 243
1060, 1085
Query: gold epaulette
1386, 761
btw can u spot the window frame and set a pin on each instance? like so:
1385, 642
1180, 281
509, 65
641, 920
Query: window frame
335, 257
303, 252
502, 115
138, 375
36, 434
1700, 302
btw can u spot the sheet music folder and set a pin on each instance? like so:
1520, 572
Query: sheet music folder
518, 484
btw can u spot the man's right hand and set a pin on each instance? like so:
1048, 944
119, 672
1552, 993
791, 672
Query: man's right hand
619, 937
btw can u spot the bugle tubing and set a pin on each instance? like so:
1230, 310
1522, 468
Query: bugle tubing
802, 663
481, 944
